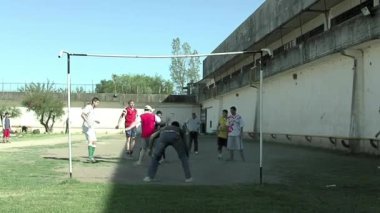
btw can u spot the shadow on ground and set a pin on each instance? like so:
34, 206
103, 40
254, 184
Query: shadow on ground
282, 164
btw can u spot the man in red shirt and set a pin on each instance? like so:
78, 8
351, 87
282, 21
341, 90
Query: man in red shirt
148, 121
129, 114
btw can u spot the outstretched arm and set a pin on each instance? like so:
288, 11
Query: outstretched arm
121, 117
134, 124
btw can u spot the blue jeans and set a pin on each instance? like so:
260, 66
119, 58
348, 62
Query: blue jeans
169, 139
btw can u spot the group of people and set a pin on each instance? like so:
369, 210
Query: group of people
157, 135
154, 133
230, 133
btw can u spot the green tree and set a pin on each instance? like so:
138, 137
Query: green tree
13, 112
135, 84
43, 99
183, 70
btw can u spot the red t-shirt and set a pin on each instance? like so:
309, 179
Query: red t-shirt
130, 115
148, 124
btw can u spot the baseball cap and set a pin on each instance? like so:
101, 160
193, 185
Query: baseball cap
147, 107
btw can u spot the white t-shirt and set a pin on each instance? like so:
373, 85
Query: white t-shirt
193, 124
89, 111
235, 123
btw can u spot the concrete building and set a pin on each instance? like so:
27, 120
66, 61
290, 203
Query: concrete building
321, 86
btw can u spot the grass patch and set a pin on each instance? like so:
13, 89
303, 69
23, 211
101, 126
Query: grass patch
30, 183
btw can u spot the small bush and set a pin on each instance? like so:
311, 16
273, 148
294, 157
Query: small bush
36, 131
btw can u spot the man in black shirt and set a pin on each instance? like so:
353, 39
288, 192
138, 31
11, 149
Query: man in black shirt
171, 135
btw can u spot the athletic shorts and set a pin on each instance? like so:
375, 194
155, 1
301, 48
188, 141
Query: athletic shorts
131, 133
89, 133
222, 142
234, 143
6, 133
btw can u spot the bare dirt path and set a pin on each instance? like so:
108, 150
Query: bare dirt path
113, 167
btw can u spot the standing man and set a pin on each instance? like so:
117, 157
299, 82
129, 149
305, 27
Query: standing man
148, 121
235, 134
222, 132
130, 114
6, 128
89, 121
171, 135
193, 126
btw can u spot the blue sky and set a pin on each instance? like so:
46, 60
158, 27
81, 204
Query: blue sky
34, 31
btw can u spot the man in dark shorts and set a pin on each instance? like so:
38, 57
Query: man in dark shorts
129, 114
222, 132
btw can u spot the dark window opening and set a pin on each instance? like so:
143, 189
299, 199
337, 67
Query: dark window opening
351, 13
304, 37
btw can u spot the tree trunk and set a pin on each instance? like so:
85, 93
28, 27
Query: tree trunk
43, 123
52, 123
67, 126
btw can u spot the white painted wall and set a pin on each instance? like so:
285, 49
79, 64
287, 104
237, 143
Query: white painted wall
212, 107
318, 102
108, 117
371, 115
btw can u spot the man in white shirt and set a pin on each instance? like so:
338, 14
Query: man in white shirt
235, 133
193, 126
89, 121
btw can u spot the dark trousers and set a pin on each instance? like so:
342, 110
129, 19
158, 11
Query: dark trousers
193, 136
165, 140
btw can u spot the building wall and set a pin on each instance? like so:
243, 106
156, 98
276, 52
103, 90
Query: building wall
323, 91
371, 110
317, 102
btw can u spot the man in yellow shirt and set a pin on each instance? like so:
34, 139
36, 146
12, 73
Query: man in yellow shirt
222, 132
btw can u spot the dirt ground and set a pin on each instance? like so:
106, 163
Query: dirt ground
112, 166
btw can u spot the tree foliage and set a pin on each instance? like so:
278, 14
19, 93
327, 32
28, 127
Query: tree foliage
184, 70
12, 110
43, 100
135, 84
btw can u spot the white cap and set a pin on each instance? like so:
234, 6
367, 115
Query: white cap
147, 107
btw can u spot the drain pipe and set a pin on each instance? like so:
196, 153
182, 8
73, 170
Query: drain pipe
356, 99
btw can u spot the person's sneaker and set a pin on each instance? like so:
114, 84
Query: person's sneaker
137, 163
219, 156
188, 180
196, 152
161, 161
92, 160
147, 179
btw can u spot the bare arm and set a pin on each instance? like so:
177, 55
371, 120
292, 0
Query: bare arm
118, 122
134, 124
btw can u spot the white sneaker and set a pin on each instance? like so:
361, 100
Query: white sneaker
188, 180
137, 163
161, 161
147, 179
196, 152
220, 156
